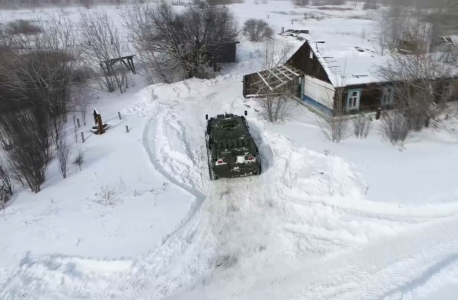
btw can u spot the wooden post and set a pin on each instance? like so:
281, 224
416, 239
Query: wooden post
95, 116
78, 122
82, 137
127, 129
119, 115
282, 29
100, 124
378, 114
292, 21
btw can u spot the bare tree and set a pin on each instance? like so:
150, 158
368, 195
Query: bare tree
395, 127
181, 44
102, 43
63, 154
335, 126
361, 126
401, 28
422, 87
35, 85
275, 94
272, 53
82, 99
257, 30
79, 158
275, 106
31, 139
6, 186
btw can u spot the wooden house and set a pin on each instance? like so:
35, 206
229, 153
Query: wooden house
329, 77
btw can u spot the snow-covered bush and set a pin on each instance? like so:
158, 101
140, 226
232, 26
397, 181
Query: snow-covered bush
63, 154
257, 30
395, 127
361, 126
79, 158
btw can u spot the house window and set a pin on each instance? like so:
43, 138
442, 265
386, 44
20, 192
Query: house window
387, 96
353, 99
311, 54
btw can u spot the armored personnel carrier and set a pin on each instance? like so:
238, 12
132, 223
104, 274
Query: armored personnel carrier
230, 147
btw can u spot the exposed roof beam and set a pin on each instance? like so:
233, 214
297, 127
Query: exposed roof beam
271, 72
289, 70
265, 81
284, 74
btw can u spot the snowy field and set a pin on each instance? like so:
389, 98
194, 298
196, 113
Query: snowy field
357, 220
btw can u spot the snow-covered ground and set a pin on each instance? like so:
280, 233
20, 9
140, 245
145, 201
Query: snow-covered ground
356, 220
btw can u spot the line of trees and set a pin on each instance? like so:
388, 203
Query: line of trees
16, 4
35, 100
47, 69
423, 80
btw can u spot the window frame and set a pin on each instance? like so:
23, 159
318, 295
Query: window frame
387, 92
351, 97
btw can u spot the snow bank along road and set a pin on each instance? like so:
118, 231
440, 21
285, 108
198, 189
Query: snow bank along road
301, 230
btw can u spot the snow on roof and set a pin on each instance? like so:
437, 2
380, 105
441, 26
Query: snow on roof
347, 59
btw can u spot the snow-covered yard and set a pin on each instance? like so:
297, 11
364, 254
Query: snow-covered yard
361, 219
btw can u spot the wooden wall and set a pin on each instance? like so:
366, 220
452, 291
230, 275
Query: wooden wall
311, 66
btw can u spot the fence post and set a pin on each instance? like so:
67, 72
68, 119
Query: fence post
82, 136
119, 115
127, 129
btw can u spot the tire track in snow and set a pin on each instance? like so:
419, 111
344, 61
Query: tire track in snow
151, 126
350, 208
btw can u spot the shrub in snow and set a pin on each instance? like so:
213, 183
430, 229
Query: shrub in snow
361, 126
63, 154
22, 27
395, 127
275, 107
6, 187
257, 30
79, 158
107, 196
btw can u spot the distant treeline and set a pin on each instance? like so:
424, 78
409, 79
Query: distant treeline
15, 4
